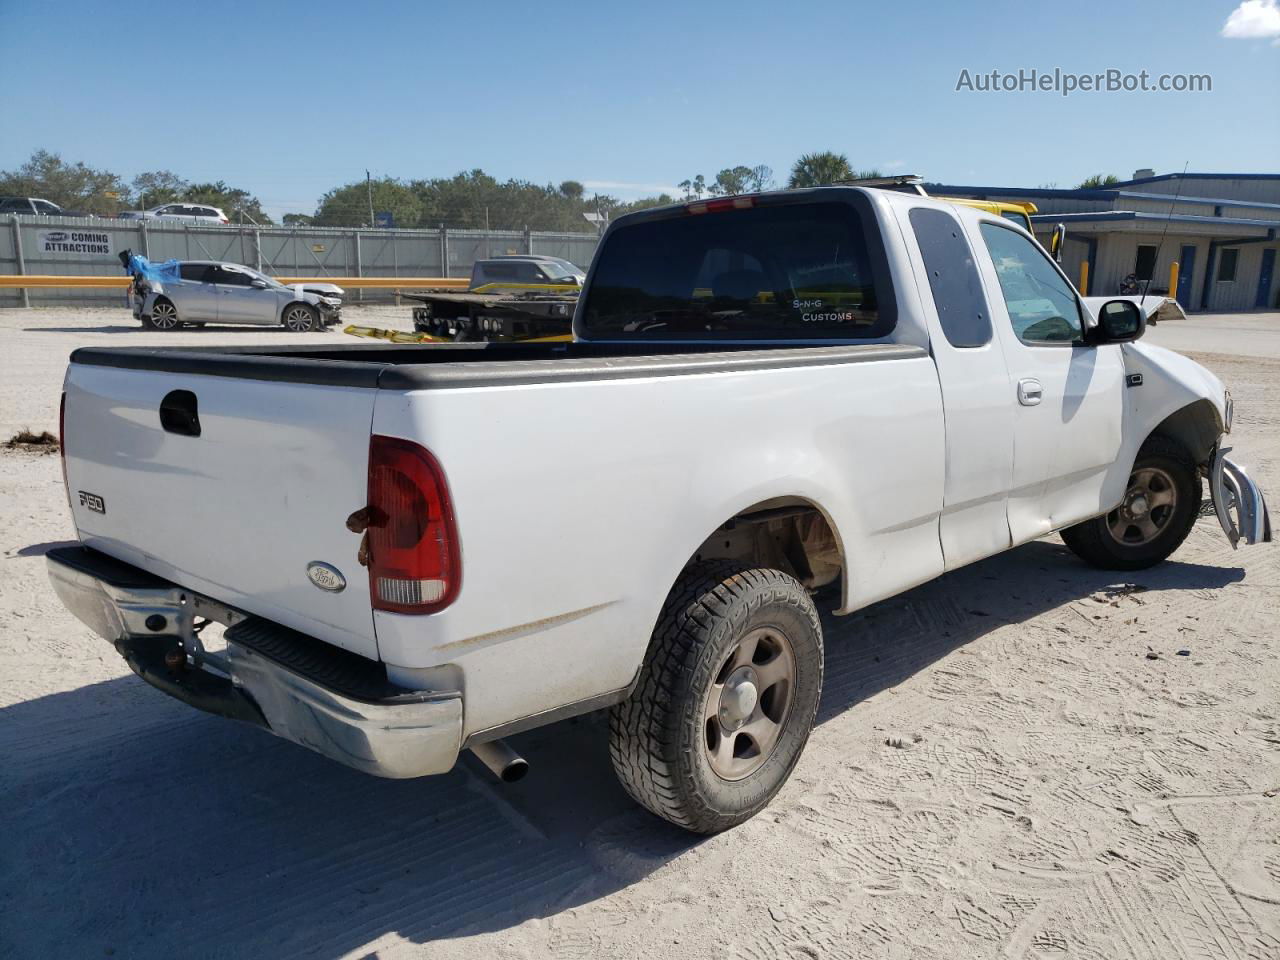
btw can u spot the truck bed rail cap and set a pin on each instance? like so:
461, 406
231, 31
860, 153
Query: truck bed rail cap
565, 370
443, 371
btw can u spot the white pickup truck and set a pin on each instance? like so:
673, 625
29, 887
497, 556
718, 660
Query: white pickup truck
418, 550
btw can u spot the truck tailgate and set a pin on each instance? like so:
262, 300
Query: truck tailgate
239, 511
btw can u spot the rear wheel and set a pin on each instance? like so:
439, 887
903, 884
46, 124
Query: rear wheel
1158, 510
163, 316
726, 697
301, 317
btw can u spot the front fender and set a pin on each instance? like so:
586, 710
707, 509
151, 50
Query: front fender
1165, 393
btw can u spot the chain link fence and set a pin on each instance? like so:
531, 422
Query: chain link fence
88, 246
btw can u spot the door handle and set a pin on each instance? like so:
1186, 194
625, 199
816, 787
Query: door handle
1030, 391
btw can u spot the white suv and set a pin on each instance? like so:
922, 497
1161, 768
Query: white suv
184, 212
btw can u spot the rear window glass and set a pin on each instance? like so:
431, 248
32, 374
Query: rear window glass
785, 272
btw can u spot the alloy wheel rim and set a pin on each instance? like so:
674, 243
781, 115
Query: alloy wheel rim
746, 709
1146, 510
298, 319
164, 316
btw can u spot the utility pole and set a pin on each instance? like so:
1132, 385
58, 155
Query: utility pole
368, 182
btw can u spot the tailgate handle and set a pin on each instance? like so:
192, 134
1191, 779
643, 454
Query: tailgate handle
179, 413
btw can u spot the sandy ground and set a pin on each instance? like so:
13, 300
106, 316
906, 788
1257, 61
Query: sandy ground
1054, 790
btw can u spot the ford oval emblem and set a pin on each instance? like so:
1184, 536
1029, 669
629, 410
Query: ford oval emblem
326, 576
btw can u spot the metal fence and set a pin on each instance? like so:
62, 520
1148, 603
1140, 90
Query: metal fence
88, 246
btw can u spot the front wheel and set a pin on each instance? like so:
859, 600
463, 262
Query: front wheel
725, 700
301, 317
163, 316
1158, 510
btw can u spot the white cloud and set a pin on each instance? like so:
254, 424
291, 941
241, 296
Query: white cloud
637, 189
1253, 19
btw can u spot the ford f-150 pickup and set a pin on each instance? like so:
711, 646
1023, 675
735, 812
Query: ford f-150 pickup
766, 395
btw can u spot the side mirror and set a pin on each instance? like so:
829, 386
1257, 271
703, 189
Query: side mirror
1056, 241
258, 284
1119, 321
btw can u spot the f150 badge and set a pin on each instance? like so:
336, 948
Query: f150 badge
93, 502
326, 576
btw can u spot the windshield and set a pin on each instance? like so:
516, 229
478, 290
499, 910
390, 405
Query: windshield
785, 272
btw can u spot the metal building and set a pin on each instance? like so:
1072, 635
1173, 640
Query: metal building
1219, 228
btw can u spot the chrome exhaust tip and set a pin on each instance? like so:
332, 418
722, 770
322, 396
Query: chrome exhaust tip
507, 765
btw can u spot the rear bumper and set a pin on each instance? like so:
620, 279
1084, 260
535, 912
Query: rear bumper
328, 700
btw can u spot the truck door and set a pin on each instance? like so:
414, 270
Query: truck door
975, 389
1067, 397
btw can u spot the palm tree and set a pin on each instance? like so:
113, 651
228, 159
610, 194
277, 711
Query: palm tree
815, 169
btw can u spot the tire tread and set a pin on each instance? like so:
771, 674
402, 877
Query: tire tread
644, 729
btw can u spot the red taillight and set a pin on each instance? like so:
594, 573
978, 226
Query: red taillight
62, 443
414, 562
723, 203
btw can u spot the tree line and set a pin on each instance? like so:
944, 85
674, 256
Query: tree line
469, 200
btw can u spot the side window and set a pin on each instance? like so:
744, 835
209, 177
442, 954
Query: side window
46, 208
953, 278
194, 271
529, 273
231, 278
1017, 217
1042, 306
499, 271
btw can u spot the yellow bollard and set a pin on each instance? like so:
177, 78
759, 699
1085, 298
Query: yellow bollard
1084, 278
1173, 280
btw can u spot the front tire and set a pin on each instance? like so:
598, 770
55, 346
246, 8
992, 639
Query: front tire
163, 316
726, 697
301, 317
1159, 509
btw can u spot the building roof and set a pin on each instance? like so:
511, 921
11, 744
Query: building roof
1241, 227
1109, 193
1216, 201
1198, 176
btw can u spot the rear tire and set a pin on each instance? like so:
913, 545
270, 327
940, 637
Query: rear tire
725, 700
1160, 507
163, 316
301, 317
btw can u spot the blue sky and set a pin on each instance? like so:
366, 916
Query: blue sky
288, 99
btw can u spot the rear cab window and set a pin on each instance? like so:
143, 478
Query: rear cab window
792, 270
